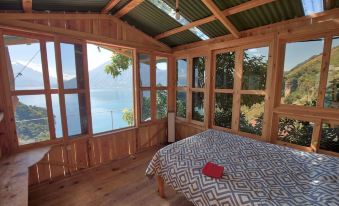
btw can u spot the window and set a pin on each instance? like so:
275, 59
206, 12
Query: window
31, 104
301, 76
255, 69
225, 66
224, 80
330, 137
332, 86
153, 87
181, 90
73, 72
295, 131
251, 113
254, 73
111, 88
198, 84
181, 104
161, 87
223, 110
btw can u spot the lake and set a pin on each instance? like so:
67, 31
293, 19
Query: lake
106, 108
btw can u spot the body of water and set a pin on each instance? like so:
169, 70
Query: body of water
106, 108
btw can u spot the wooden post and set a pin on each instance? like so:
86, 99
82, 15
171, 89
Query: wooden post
161, 188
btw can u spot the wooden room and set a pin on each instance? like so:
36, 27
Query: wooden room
169, 102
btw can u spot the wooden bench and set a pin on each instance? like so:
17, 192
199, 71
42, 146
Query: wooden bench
14, 176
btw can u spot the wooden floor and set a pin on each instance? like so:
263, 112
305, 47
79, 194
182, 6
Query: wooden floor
121, 182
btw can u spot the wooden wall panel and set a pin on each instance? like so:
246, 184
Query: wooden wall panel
183, 130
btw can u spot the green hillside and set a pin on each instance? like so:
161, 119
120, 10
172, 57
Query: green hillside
304, 79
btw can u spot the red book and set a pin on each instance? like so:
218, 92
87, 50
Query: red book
213, 170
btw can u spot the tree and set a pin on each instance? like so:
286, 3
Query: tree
127, 116
119, 63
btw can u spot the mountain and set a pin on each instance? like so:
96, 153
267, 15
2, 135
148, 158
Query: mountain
29, 77
300, 81
99, 79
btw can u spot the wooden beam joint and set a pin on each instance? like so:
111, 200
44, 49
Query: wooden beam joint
27, 6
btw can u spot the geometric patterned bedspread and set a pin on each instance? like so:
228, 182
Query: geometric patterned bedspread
256, 173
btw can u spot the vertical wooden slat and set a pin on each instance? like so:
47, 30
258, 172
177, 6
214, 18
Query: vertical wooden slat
48, 97
324, 71
153, 88
236, 89
61, 88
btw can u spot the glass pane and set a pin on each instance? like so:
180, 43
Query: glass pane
295, 131
182, 72
31, 118
145, 69
72, 66
252, 113
161, 71
57, 115
198, 106
302, 72
330, 137
145, 103
198, 78
255, 64
76, 114
181, 104
332, 87
225, 70
51, 65
223, 110
161, 104
24, 63
111, 88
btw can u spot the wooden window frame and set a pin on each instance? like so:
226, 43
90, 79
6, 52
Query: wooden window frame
317, 114
152, 88
60, 91
189, 89
237, 90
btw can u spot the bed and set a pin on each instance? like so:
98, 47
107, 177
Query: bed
255, 173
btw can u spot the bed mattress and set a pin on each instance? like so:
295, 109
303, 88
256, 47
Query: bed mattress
255, 173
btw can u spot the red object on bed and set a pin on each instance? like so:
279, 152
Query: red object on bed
213, 170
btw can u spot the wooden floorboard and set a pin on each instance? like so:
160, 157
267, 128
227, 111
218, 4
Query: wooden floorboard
121, 182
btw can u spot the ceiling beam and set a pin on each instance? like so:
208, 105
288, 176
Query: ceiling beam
27, 6
131, 5
221, 17
227, 12
109, 6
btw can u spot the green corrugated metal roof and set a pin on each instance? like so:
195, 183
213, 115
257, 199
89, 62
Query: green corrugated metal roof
153, 21
119, 6
180, 38
69, 5
11, 5
266, 14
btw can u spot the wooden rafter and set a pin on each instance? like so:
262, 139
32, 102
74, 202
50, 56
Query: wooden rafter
221, 17
27, 6
227, 12
131, 5
109, 6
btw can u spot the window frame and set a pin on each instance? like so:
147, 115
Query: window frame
152, 88
60, 91
317, 114
189, 89
237, 90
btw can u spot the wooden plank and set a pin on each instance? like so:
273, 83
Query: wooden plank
14, 176
237, 88
109, 6
227, 12
27, 6
146, 43
220, 16
129, 7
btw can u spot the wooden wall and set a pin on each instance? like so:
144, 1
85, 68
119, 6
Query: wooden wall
68, 158
184, 130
